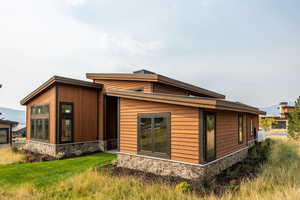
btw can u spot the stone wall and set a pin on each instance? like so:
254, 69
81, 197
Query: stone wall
165, 167
67, 150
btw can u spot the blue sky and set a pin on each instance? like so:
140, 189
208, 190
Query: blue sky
247, 50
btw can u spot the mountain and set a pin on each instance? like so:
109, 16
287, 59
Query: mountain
13, 115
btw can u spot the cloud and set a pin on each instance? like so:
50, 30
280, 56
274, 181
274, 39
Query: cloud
74, 3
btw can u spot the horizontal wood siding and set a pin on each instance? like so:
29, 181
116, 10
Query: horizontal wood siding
85, 111
47, 97
227, 133
168, 89
126, 85
184, 128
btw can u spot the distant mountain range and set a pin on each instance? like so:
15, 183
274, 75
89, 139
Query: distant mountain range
13, 115
274, 110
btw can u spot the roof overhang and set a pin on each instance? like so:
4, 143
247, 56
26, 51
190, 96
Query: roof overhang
207, 103
154, 78
8, 122
59, 80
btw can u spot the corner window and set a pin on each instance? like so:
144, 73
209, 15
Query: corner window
154, 134
240, 128
66, 122
39, 122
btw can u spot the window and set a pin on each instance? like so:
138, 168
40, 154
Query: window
279, 125
39, 122
240, 128
4, 135
154, 134
251, 128
66, 122
209, 137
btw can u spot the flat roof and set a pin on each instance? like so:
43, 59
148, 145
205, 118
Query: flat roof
152, 77
61, 80
201, 102
8, 122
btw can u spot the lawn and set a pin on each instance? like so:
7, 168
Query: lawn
7, 156
42, 174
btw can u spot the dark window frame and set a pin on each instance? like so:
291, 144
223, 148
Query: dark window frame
66, 116
8, 134
152, 116
33, 121
205, 113
241, 139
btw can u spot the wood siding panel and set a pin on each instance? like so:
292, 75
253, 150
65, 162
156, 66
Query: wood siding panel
85, 111
47, 97
184, 133
125, 85
168, 89
227, 133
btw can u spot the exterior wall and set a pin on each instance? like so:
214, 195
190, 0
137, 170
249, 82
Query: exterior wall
167, 89
179, 169
184, 128
48, 97
125, 85
85, 111
227, 133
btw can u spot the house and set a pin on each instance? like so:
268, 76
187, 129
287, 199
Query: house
6, 131
280, 124
155, 123
19, 131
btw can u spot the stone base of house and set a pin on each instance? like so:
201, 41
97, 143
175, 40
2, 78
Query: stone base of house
64, 150
165, 167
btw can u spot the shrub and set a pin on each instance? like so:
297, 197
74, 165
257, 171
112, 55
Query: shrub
78, 153
183, 187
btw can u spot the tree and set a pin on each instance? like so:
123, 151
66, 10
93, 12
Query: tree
294, 122
266, 123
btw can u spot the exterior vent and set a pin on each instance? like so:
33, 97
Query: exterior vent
143, 71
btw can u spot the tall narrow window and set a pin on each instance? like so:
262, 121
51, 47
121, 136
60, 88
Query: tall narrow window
209, 137
39, 123
66, 122
240, 128
154, 134
251, 128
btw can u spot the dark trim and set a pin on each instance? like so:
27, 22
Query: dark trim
67, 116
97, 116
118, 131
205, 136
152, 116
57, 97
241, 115
7, 135
104, 118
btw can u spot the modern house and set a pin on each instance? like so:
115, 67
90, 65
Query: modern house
280, 124
155, 123
6, 131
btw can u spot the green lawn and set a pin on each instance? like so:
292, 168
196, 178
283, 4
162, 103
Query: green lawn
42, 174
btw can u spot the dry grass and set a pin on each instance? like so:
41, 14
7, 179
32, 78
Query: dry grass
279, 179
7, 156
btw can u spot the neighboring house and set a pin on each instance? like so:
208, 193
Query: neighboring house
6, 127
281, 120
155, 123
19, 131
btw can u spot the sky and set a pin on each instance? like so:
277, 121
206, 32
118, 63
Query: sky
247, 50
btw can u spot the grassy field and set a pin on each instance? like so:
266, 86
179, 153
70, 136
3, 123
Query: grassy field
278, 179
7, 156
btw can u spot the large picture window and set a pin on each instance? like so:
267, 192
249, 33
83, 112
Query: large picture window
154, 134
240, 128
209, 137
39, 122
66, 122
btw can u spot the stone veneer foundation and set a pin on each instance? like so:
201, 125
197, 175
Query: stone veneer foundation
165, 167
68, 149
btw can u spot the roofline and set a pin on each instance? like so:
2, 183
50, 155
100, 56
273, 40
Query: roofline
154, 78
8, 122
208, 103
61, 80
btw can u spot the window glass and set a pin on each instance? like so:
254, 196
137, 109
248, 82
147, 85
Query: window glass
146, 137
66, 130
39, 123
160, 134
3, 136
210, 137
251, 127
66, 108
240, 126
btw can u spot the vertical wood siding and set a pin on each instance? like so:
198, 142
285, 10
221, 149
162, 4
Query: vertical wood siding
227, 133
85, 111
126, 85
47, 97
184, 128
